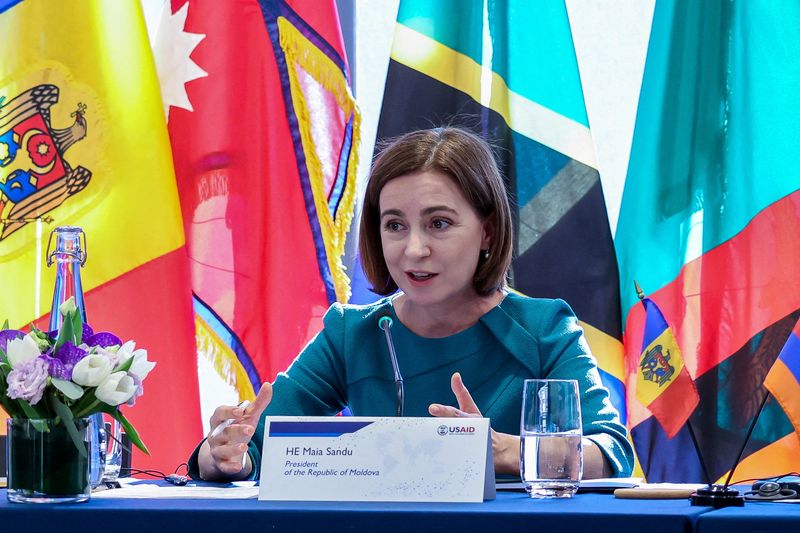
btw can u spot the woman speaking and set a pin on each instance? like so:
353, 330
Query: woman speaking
435, 224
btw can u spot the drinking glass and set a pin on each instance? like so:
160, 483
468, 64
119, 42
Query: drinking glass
105, 450
551, 455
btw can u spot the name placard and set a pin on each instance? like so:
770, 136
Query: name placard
377, 459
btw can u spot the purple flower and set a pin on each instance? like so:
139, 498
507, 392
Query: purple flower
56, 368
70, 354
28, 381
64, 361
103, 339
86, 332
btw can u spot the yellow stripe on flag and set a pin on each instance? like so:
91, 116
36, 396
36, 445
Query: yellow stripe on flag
444, 64
606, 349
775, 459
100, 111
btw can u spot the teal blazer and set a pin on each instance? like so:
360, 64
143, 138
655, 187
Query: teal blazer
347, 365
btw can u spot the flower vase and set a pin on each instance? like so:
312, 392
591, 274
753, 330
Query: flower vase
45, 464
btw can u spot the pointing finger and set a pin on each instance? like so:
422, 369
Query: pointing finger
440, 410
464, 398
253, 412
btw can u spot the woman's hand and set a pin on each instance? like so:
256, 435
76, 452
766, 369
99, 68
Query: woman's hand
505, 447
224, 456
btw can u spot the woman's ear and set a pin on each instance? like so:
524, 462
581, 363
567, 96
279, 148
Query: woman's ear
488, 233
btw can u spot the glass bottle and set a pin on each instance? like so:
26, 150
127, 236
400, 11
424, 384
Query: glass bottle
69, 255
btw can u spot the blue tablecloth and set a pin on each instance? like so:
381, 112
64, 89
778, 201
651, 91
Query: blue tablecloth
754, 516
512, 511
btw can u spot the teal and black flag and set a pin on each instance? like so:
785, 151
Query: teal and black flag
508, 70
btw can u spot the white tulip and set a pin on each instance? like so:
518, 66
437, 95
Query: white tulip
126, 350
141, 366
92, 370
20, 351
117, 388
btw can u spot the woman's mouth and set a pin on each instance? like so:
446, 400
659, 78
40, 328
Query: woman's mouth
419, 277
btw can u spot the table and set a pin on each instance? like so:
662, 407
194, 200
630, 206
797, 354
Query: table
511, 511
754, 516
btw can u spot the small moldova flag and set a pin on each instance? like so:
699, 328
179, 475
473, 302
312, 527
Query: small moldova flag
663, 384
783, 379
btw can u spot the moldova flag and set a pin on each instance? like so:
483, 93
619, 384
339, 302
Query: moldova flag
83, 142
663, 384
783, 379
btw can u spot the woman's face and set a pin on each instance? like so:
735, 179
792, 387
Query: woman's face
431, 238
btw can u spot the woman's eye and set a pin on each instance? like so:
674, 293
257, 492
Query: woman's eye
440, 223
393, 226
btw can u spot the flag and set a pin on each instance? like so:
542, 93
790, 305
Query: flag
264, 134
83, 142
783, 379
709, 221
663, 384
508, 70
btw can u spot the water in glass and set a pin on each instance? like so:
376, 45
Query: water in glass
545, 477
551, 453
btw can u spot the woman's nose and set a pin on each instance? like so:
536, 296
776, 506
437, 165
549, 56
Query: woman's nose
417, 245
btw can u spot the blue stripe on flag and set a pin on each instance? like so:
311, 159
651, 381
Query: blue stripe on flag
616, 391
341, 177
790, 355
5, 5
229, 338
655, 323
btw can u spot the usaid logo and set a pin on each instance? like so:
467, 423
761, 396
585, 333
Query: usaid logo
455, 430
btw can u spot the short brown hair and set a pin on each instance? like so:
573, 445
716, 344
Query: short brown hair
469, 161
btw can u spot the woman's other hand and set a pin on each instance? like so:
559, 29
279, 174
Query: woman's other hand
505, 447
223, 455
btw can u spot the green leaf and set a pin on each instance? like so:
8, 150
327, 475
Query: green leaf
71, 390
87, 405
66, 418
29, 410
129, 429
125, 365
65, 334
10, 406
77, 327
5, 325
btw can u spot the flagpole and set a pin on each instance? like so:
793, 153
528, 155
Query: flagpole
716, 496
697, 449
746, 439
640, 294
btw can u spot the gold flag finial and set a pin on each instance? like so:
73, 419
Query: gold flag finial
639, 291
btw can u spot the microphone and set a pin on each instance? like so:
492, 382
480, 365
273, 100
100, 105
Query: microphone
385, 323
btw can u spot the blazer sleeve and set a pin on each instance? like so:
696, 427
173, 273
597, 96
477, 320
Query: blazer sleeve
568, 357
313, 385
